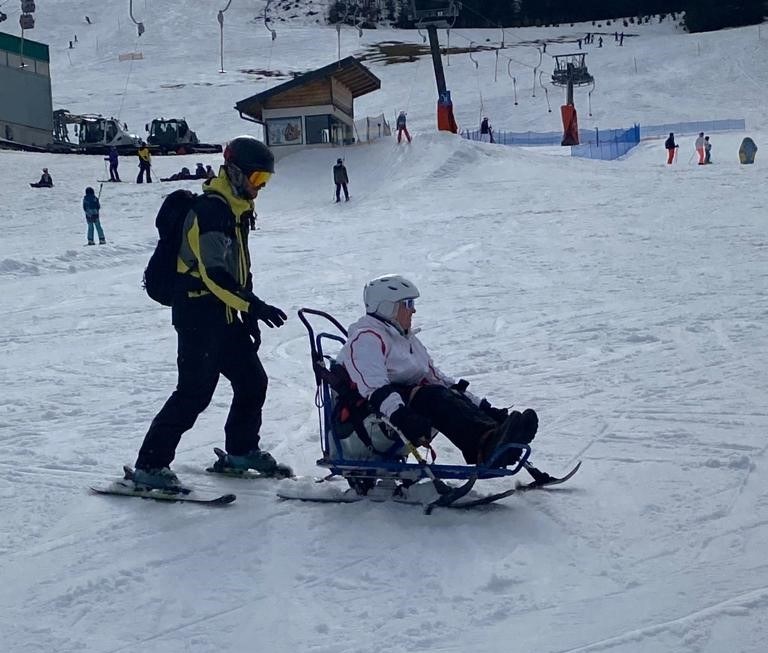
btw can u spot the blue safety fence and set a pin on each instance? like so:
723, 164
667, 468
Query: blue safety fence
608, 144
503, 137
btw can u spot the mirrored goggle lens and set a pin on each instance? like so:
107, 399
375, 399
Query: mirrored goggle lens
410, 304
259, 178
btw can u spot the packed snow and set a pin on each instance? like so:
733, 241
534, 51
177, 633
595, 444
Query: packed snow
625, 301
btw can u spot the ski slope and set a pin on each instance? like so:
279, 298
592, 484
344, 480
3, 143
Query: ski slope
625, 301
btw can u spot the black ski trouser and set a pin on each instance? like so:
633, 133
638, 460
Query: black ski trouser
144, 167
454, 415
113, 176
339, 186
203, 354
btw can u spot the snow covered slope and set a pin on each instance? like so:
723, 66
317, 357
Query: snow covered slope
625, 301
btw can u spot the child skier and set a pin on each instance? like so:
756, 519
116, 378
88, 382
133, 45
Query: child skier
91, 207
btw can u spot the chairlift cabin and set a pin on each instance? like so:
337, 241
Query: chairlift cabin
571, 68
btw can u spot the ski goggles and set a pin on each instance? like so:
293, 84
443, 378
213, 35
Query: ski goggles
409, 303
259, 178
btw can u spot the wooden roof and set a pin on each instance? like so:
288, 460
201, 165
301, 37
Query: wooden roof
349, 72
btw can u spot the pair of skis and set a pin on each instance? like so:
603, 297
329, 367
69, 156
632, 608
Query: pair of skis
456, 497
127, 486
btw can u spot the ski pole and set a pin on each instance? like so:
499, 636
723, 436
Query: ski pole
101, 185
441, 486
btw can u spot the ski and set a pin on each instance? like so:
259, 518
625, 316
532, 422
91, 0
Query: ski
546, 480
219, 469
127, 488
312, 491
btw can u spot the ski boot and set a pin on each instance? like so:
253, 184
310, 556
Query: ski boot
154, 479
518, 427
257, 460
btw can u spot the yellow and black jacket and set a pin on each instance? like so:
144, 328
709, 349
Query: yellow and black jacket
144, 155
214, 264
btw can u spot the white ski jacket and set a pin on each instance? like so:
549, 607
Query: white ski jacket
377, 353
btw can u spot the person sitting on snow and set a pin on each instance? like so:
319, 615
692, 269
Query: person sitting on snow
200, 172
46, 181
391, 368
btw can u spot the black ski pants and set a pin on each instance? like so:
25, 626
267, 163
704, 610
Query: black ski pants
113, 175
339, 186
205, 352
454, 415
144, 167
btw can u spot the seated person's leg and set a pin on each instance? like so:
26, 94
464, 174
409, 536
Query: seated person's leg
455, 416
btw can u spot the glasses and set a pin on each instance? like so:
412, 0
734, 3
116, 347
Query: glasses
259, 178
409, 303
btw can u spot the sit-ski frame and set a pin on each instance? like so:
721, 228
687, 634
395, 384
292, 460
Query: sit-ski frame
384, 469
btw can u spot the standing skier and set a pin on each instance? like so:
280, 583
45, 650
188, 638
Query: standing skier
707, 150
671, 147
215, 314
401, 127
390, 367
91, 207
145, 163
700, 148
113, 159
341, 179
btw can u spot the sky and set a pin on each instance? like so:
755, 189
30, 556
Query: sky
625, 301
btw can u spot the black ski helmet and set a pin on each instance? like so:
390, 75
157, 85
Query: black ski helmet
250, 155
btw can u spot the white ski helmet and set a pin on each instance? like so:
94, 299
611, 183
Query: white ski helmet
382, 294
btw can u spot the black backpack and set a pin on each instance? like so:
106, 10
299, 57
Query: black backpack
160, 273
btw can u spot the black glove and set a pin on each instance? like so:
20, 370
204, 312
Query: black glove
497, 414
270, 315
414, 427
460, 386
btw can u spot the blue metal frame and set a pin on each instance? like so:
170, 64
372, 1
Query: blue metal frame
381, 468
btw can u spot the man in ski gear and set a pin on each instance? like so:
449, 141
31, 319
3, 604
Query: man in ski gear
707, 150
91, 208
215, 314
700, 148
486, 131
401, 127
200, 172
145, 163
341, 179
671, 147
46, 181
113, 159
391, 368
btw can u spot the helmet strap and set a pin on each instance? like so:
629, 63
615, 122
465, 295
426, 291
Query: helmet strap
236, 180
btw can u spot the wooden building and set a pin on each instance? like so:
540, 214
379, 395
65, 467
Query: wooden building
315, 109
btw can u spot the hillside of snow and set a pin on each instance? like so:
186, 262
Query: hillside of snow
625, 301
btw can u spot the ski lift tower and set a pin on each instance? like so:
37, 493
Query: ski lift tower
431, 15
570, 70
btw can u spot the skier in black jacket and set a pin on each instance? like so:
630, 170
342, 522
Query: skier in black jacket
215, 314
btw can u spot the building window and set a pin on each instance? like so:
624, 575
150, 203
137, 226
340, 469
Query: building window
318, 129
284, 131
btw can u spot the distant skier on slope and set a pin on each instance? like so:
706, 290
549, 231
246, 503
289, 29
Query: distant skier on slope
671, 147
390, 367
341, 179
46, 181
91, 208
402, 128
699, 145
114, 160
